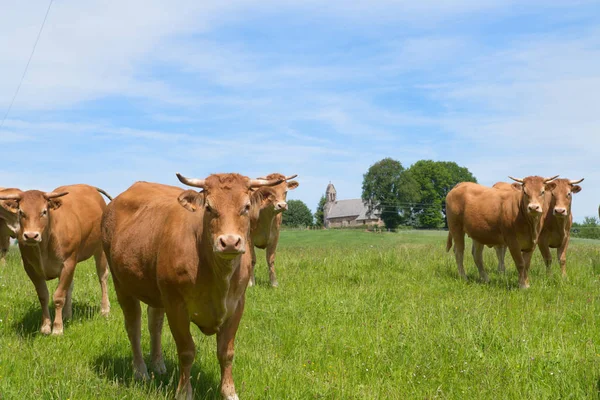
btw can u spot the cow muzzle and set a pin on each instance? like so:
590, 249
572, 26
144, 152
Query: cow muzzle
281, 206
230, 245
32, 237
560, 212
534, 208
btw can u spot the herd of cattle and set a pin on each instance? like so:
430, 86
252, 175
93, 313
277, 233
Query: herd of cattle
533, 211
190, 254
182, 252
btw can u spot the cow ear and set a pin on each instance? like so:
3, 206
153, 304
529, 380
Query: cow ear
291, 185
575, 189
517, 186
550, 186
10, 205
54, 204
191, 200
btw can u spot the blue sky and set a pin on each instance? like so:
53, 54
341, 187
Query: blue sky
138, 90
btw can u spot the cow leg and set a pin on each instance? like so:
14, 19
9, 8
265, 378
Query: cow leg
156, 317
459, 253
252, 281
515, 252
561, 254
102, 272
500, 254
68, 309
547, 256
477, 251
179, 323
60, 294
44, 297
271, 249
225, 351
133, 325
4, 247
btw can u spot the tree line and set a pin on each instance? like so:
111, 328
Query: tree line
412, 197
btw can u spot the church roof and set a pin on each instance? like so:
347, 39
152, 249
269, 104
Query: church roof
330, 188
349, 208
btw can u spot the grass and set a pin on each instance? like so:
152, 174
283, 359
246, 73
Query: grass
357, 316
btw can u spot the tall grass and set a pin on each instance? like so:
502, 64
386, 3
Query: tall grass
357, 316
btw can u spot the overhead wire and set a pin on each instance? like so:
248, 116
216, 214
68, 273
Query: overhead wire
26, 66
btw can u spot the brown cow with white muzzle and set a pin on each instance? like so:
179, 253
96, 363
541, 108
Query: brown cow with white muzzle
56, 230
269, 204
497, 218
184, 253
558, 219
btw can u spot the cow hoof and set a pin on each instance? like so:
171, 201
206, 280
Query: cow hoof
250, 283
45, 330
274, 284
159, 367
524, 286
140, 374
105, 311
57, 331
233, 397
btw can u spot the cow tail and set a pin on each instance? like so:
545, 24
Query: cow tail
449, 242
104, 193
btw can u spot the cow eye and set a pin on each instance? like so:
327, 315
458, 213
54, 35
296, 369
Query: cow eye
21, 214
542, 192
44, 213
209, 209
246, 209
569, 194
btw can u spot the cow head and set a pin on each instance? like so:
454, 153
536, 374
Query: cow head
562, 195
9, 210
33, 212
225, 201
274, 198
533, 189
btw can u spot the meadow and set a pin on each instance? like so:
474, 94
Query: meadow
357, 315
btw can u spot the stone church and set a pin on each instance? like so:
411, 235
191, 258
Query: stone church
342, 213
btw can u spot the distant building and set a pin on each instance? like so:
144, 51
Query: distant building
342, 213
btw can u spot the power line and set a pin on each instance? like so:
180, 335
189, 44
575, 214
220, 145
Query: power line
26, 66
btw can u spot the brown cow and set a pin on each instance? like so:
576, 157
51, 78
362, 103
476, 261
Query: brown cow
497, 218
9, 224
556, 230
266, 220
183, 253
54, 234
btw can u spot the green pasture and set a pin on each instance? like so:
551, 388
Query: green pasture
357, 315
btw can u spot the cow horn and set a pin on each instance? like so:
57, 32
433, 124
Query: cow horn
576, 182
11, 197
254, 183
54, 195
546, 180
199, 183
516, 179
287, 178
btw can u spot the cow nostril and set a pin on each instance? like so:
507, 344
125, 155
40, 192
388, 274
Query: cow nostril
238, 243
222, 242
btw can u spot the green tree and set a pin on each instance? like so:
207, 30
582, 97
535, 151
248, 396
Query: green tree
390, 190
435, 180
297, 215
320, 213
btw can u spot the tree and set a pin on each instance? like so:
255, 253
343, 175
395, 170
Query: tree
297, 215
388, 189
320, 213
435, 180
